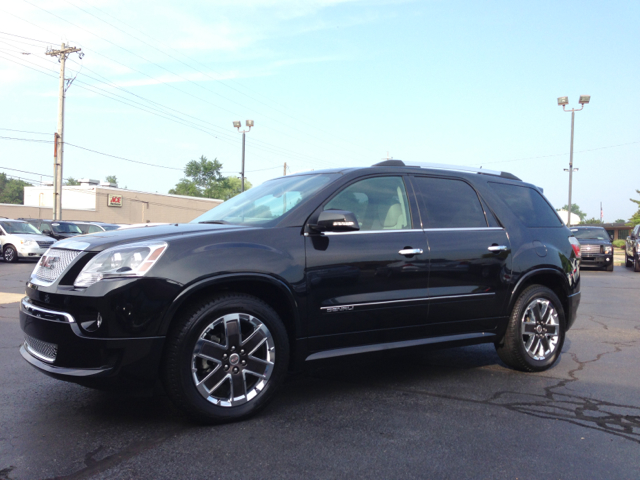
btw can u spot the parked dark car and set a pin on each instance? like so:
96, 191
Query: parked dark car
302, 268
632, 249
596, 247
57, 229
95, 227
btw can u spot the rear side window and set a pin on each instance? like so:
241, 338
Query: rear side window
528, 205
449, 203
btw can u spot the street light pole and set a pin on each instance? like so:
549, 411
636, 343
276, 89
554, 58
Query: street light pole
564, 101
237, 124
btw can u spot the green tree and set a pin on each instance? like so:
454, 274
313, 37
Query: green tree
12, 190
574, 209
591, 221
111, 179
203, 178
71, 181
635, 219
620, 220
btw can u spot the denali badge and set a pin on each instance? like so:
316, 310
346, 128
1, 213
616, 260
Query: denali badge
341, 308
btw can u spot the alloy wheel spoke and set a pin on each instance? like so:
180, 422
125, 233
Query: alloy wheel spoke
547, 313
212, 381
545, 345
238, 386
529, 327
535, 346
255, 340
257, 366
552, 330
208, 349
536, 313
232, 332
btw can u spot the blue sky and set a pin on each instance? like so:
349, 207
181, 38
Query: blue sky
328, 83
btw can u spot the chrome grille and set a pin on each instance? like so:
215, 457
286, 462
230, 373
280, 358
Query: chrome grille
42, 350
45, 244
53, 263
590, 248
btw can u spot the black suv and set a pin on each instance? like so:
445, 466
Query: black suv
632, 249
595, 246
301, 268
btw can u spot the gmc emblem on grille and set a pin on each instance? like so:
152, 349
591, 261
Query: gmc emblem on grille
48, 262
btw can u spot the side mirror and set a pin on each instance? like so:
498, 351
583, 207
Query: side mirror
336, 221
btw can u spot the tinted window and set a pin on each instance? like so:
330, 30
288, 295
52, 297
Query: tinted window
379, 203
528, 205
596, 233
449, 204
94, 229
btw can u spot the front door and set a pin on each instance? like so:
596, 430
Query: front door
368, 286
469, 255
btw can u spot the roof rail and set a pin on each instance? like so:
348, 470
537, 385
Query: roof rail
444, 166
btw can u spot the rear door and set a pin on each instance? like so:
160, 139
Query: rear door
470, 255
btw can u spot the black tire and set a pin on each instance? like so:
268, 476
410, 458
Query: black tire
609, 268
636, 263
513, 349
10, 254
627, 263
208, 329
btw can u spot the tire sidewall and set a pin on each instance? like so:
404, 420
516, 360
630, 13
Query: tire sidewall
198, 322
539, 292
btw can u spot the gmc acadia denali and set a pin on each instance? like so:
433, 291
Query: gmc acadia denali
301, 268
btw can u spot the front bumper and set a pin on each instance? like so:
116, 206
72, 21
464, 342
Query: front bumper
55, 345
596, 260
30, 252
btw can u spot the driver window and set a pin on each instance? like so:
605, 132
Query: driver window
379, 203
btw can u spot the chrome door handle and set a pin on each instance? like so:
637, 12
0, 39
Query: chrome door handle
410, 251
497, 248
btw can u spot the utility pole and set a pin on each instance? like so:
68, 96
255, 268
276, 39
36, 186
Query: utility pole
285, 169
62, 55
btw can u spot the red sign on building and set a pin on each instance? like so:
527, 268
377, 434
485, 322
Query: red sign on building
114, 200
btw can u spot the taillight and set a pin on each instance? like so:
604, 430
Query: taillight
575, 244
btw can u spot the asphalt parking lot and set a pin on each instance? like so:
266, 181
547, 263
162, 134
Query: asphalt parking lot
455, 413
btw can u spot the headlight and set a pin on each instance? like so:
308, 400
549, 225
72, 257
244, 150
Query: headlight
607, 248
133, 260
28, 243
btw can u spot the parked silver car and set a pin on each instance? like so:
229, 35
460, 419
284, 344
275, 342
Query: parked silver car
20, 239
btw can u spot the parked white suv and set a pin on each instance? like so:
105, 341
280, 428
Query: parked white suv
22, 240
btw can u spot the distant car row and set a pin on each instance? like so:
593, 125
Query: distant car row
31, 237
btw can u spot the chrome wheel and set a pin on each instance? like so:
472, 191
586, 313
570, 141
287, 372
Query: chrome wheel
233, 360
540, 329
9, 254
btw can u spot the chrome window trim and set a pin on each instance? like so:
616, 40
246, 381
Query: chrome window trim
361, 232
456, 229
404, 300
26, 305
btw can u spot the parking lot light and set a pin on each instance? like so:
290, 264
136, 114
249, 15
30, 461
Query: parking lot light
564, 101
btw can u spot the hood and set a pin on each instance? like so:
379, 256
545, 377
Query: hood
97, 242
593, 241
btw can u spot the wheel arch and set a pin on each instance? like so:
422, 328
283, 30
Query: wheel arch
548, 277
274, 292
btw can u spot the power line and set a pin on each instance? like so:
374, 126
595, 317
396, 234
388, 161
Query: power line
24, 171
122, 158
25, 131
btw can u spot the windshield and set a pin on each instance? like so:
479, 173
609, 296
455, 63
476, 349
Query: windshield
268, 201
19, 227
596, 233
66, 228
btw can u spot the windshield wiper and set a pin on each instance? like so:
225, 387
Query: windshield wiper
218, 222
